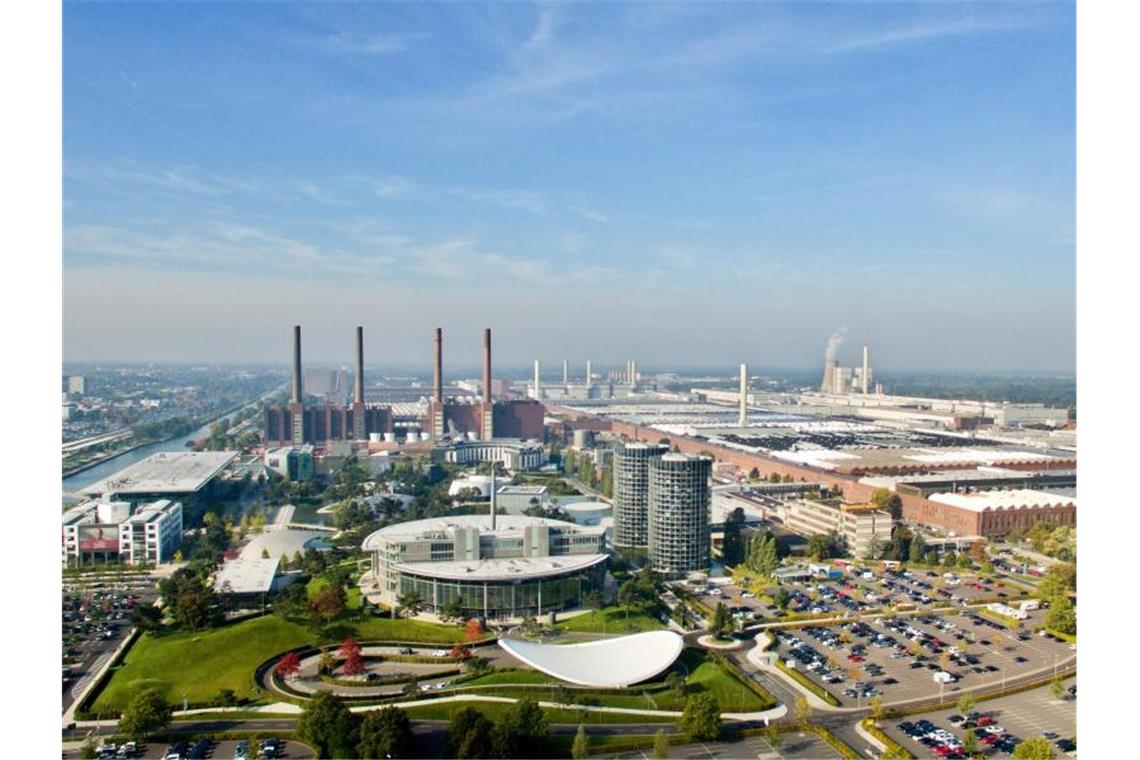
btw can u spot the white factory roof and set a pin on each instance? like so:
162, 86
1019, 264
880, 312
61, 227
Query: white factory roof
174, 472
505, 525
1020, 498
252, 575
518, 568
982, 456
608, 663
822, 458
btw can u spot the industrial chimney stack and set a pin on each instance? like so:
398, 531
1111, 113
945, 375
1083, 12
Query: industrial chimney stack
437, 382
743, 395
358, 386
866, 368
537, 392
296, 395
487, 365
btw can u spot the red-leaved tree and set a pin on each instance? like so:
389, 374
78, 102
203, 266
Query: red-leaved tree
353, 660
474, 629
288, 665
461, 652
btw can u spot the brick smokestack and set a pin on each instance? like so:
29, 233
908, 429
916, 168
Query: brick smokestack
358, 387
437, 385
296, 395
487, 365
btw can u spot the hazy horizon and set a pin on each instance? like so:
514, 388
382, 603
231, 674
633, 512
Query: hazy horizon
685, 185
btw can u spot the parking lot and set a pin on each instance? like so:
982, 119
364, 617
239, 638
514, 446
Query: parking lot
205, 749
916, 657
997, 725
854, 589
94, 619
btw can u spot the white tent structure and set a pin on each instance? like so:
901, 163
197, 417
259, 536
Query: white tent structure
608, 663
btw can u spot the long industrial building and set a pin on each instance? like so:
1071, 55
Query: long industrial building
302, 421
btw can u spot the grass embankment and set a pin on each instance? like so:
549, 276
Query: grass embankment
610, 620
197, 665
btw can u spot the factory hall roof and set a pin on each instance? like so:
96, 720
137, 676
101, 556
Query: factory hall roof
172, 472
1020, 498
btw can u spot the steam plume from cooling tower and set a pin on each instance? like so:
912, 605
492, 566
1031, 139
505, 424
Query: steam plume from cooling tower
833, 343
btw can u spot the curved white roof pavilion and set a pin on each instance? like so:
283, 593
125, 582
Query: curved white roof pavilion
606, 663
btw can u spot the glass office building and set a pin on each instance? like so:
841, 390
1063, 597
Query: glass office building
511, 567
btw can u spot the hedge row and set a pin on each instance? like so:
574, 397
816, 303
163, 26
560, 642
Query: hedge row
384, 681
810, 685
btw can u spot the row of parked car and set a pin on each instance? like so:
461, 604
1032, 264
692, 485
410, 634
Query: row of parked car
946, 744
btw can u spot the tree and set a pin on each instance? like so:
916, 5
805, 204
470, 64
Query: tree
386, 732
469, 734
328, 726
896, 752
660, 745
411, 603
754, 473
1061, 616
675, 682
966, 703
883, 499
818, 547
145, 713
732, 548
802, 712
460, 653
293, 600
1037, 748
701, 718
329, 602
474, 630
87, 750
288, 665
773, 736
146, 617
1057, 688
353, 659
522, 730
970, 744
452, 609
581, 747
722, 623
876, 705
326, 664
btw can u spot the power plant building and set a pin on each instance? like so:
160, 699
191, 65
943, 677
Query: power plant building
301, 422
631, 492
679, 513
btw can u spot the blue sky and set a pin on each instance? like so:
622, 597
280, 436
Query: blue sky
681, 184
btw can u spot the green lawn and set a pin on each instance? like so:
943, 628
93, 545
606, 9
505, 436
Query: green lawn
730, 694
197, 665
510, 676
610, 620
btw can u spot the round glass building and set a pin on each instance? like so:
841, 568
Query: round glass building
510, 568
